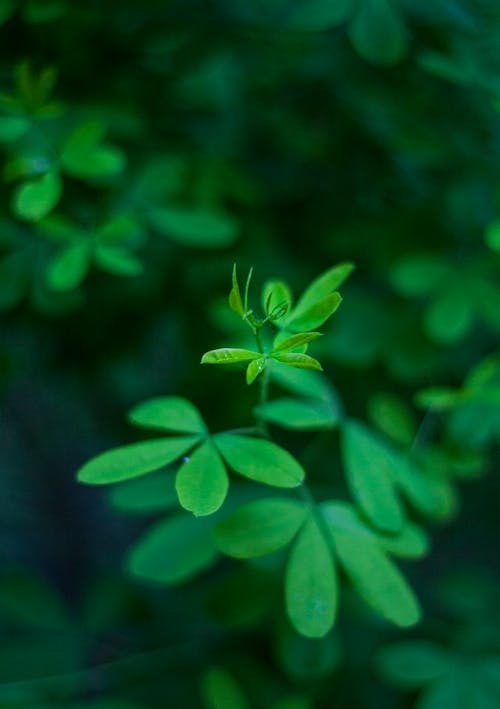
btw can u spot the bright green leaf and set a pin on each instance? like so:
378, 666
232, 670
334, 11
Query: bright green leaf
173, 550
202, 481
297, 359
235, 302
310, 317
255, 368
228, 355
276, 299
310, 583
133, 460
260, 527
168, 413
260, 460
368, 468
33, 200
295, 341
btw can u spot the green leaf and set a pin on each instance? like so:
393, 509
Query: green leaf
118, 261
449, 318
69, 267
310, 583
368, 468
393, 417
168, 413
438, 398
296, 359
173, 550
375, 578
295, 341
260, 460
220, 691
317, 15
377, 32
323, 286
228, 355
195, 227
33, 200
235, 302
133, 460
85, 157
301, 381
28, 601
298, 414
153, 493
411, 543
419, 274
413, 663
202, 481
308, 318
260, 527
491, 237
255, 368
7, 9
12, 128
276, 299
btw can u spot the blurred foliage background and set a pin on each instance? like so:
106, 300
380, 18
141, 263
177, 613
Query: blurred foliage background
145, 148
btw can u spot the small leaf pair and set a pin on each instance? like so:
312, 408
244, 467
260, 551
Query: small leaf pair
202, 480
258, 360
320, 535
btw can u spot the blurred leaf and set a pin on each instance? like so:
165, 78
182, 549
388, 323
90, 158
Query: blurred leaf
135, 459
153, 493
261, 527
260, 460
378, 33
310, 583
202, 481
7, 8
195, 227
84, 155
118, 261
413, 663
369, 474
69, 267
393, 417
221, 691
28, 600
299, 414
173, 550
12, 128
449, 318
33, 200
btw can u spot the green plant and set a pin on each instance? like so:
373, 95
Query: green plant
324, 535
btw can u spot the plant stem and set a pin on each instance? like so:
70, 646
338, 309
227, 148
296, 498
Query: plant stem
264, 395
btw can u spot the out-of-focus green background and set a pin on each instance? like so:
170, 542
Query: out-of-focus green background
144, 148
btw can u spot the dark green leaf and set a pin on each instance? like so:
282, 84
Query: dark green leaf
195, 227
260, 460
69, 267
152, 493
173, 550
118, 261
368, 468
134, 460
413, 663
310, 583
261, 527
221, 691
378, 33
299, 414
202, 481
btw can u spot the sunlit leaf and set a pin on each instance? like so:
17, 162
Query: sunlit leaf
308, 317
296, 359
295, 341
229, 355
